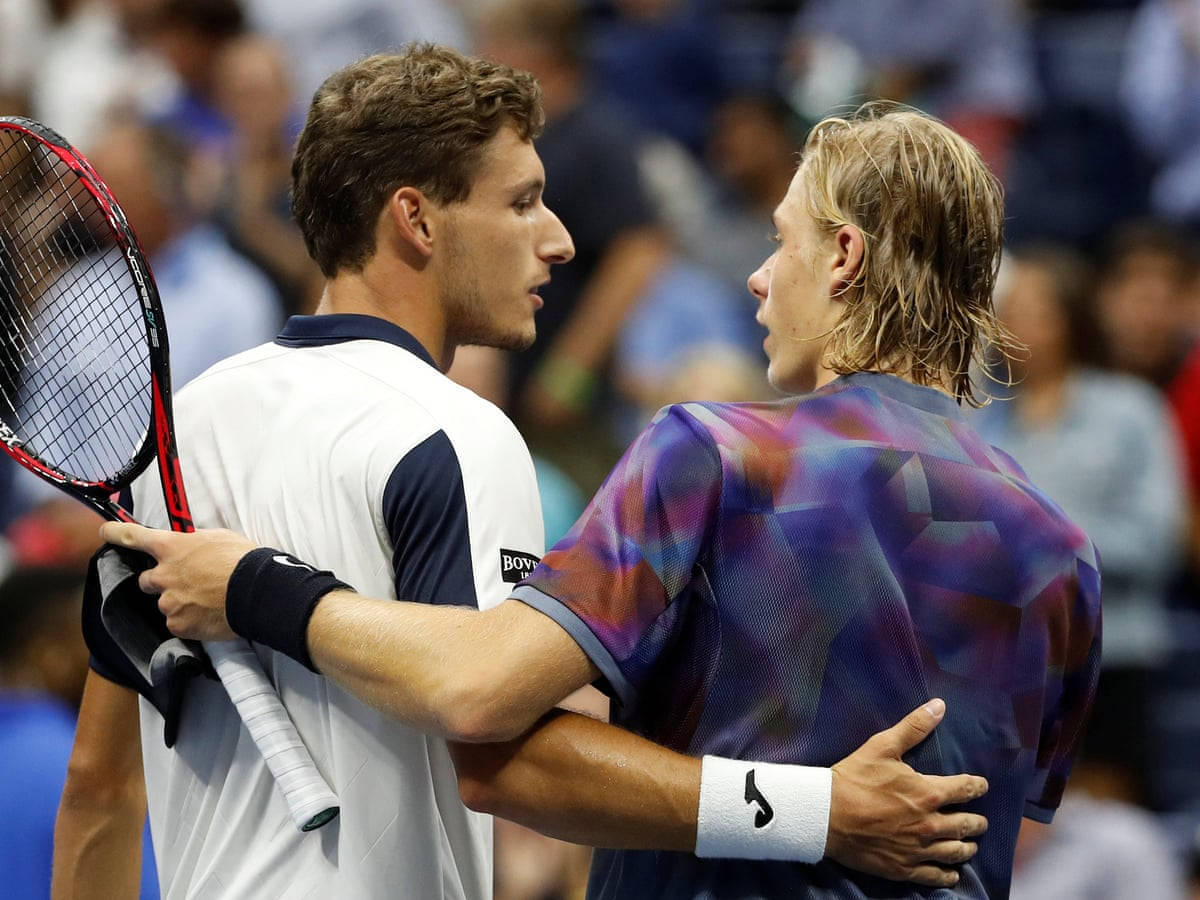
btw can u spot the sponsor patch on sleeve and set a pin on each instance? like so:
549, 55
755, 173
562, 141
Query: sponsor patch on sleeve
515, 565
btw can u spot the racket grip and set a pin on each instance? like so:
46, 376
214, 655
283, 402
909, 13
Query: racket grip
310, 800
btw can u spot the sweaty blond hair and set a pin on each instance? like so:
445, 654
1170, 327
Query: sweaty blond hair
932, 220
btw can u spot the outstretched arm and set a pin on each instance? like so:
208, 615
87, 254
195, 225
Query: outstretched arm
406, 659
98, 833
581, 780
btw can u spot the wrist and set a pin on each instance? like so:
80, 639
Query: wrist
754, 810
271, 597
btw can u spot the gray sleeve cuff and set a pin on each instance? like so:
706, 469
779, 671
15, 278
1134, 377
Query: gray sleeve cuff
582, 635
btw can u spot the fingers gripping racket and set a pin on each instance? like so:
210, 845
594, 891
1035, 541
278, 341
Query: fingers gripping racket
85, 396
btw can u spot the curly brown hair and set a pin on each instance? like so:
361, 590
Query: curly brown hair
932, 219
420, 117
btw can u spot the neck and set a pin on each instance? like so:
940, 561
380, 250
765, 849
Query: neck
397, 294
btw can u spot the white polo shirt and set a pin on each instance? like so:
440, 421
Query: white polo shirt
343, 444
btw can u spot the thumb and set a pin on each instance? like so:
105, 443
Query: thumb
912, 729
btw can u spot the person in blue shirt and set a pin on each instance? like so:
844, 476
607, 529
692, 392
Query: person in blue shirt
43, 662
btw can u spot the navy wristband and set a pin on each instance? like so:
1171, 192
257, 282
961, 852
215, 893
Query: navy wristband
272, 595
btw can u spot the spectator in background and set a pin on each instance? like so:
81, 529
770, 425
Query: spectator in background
1075, 170
694, 337
1097, 849
23, 28
1148, 280
968, 62
253, 176
661, 60
324, 35
1101, 445
94, 65
43, 662
215, 301
191, 36
700, 341
1160, 94
721, 215
592, 182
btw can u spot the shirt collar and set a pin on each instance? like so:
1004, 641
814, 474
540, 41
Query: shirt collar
926, 398
337, 328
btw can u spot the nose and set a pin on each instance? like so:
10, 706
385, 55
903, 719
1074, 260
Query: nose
760, 279
556, 246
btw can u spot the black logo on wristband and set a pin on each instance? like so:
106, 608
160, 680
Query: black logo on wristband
753, 795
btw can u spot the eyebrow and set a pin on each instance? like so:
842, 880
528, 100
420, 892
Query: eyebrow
533, 185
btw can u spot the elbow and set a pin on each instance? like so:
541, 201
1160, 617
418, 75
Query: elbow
477, 722
92, 787
479, 769
477, 794
479, 710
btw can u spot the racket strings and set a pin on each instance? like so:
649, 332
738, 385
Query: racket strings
74, 362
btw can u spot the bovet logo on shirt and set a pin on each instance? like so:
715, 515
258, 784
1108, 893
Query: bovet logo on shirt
515, 565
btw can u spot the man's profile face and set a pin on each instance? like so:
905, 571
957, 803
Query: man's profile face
500, 244
794, 293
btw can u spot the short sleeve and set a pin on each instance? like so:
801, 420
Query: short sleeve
1073, 667
615, 580
425, 509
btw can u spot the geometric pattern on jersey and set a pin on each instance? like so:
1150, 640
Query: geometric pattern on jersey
780, 581
344, 444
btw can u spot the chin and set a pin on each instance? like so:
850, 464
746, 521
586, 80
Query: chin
508, 340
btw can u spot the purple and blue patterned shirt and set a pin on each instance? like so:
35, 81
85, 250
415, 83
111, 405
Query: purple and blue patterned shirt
780, 581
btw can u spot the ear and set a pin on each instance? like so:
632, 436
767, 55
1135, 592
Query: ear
849, 249
409, 213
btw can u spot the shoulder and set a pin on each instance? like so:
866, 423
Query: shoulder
479, 430
728, 424
458, 430
226, 376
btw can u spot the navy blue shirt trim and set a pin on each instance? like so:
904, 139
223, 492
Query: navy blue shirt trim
1038, 813
425, 509
337, 328
566, 618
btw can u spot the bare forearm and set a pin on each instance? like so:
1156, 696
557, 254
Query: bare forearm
98, 833
619, 282
580, 780
98, 844
451, 671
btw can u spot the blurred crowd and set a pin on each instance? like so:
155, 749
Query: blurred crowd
672, 131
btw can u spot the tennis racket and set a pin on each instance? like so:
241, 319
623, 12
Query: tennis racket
85, 391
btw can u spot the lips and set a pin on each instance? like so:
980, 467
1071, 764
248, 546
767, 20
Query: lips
533, 293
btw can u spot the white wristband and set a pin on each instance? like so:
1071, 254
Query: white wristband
754, 810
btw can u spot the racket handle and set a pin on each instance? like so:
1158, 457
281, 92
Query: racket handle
309, 798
